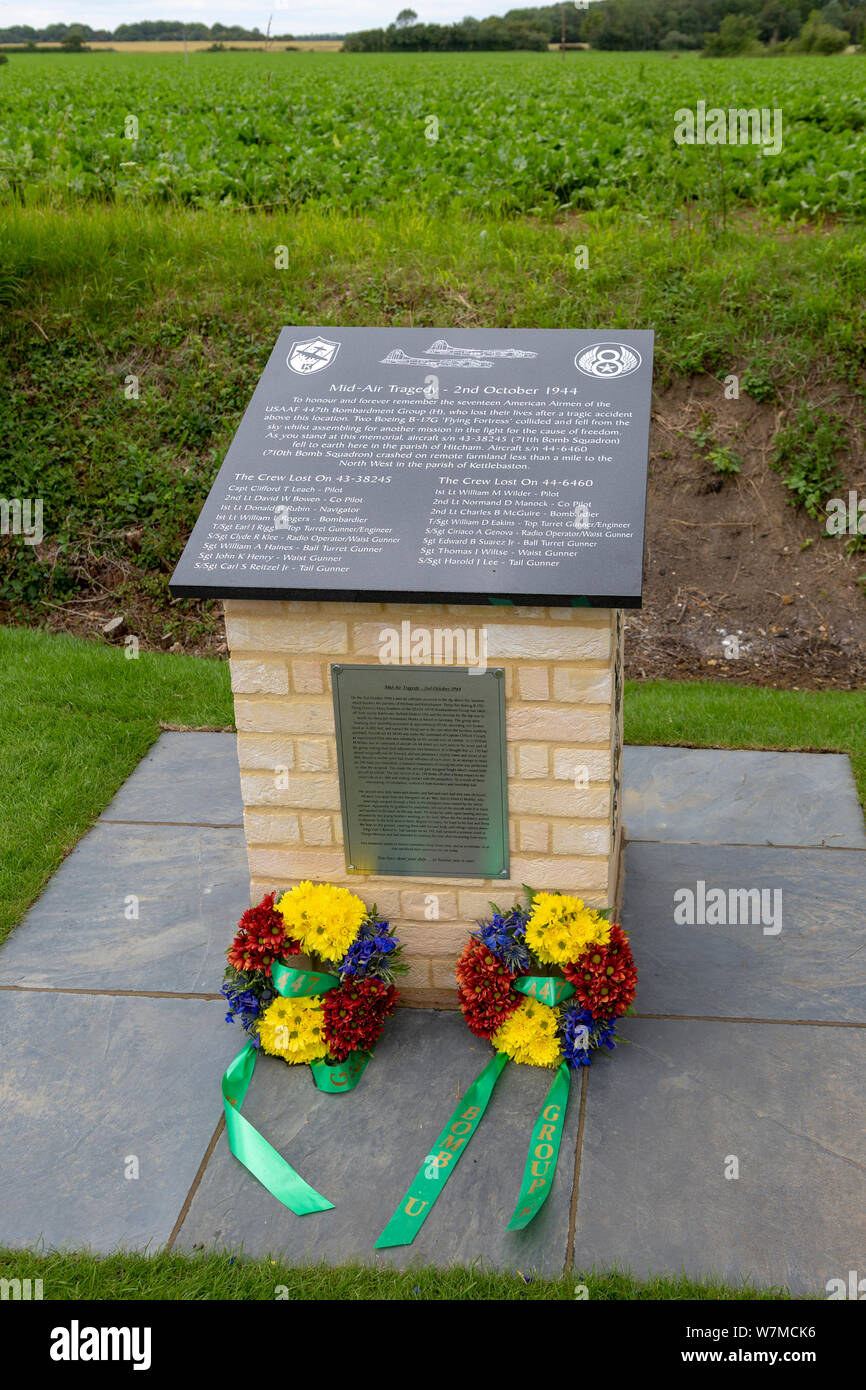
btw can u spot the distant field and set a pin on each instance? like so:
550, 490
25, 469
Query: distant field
196, 45
494, 133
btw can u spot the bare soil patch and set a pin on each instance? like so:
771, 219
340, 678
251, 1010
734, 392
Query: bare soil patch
730, 592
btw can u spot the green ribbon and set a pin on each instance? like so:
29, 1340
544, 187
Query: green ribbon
294, 983
543, 1148
245, 1142
547, 989
254, 1152
338, 1077
417, 1202
543, 1152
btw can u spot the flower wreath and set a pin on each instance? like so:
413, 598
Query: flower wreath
330, 1016
542, 1020
499, 994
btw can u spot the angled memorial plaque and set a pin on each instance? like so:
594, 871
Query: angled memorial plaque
431, 465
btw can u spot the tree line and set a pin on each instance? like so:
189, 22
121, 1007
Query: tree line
145, 30
718, 27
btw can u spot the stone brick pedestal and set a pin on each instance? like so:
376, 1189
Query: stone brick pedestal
563, 673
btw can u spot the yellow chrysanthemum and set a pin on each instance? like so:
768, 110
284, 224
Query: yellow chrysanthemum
561, 928
325, 919
294, 1029
529, 1035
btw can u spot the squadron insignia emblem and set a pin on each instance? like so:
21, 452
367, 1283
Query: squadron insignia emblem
607, 360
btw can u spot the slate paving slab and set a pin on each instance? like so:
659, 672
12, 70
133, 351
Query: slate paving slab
89, 1082
815, 968
191, 887
184, 779
730, 796
787, 1102
363, 1149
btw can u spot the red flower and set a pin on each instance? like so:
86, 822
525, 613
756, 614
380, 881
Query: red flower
261, 938
605, 977
484, 989
355, 1014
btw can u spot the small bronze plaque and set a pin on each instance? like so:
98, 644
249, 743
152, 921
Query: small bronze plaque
421, 755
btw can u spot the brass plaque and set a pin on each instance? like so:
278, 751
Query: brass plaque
421, 756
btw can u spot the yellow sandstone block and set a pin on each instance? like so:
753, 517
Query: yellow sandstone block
593, 764
314, 754
572, 838
301, 792
443, 972
540, 722
308, 677
316, 830
254, 608
265, 752
586, 617
290, 866
565, 874
533, 683
297, 634
561, 800
418, 975
419, 906
534, 836
259, 677
435, 938
547, 643
582, 685
474, 903
288, 716
533, 760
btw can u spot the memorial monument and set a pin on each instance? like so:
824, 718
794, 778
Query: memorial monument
424, 540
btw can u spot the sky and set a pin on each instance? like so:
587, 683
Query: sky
307, 17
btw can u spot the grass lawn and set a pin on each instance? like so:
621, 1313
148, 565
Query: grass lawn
707, 715
78, 716
212, 1277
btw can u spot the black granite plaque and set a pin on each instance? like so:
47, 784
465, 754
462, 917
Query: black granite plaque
434, 464
421, 757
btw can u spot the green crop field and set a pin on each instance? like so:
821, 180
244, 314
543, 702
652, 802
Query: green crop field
155, 259
517, 132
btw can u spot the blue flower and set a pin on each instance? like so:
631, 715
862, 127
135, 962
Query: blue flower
244, 1008
503, 936
367, 957
581, 1033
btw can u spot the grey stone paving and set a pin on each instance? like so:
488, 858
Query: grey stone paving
88, 1083
742, 798
814, 968
361, 1151
188, 884
185, 779
89, 1079
788, 1103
